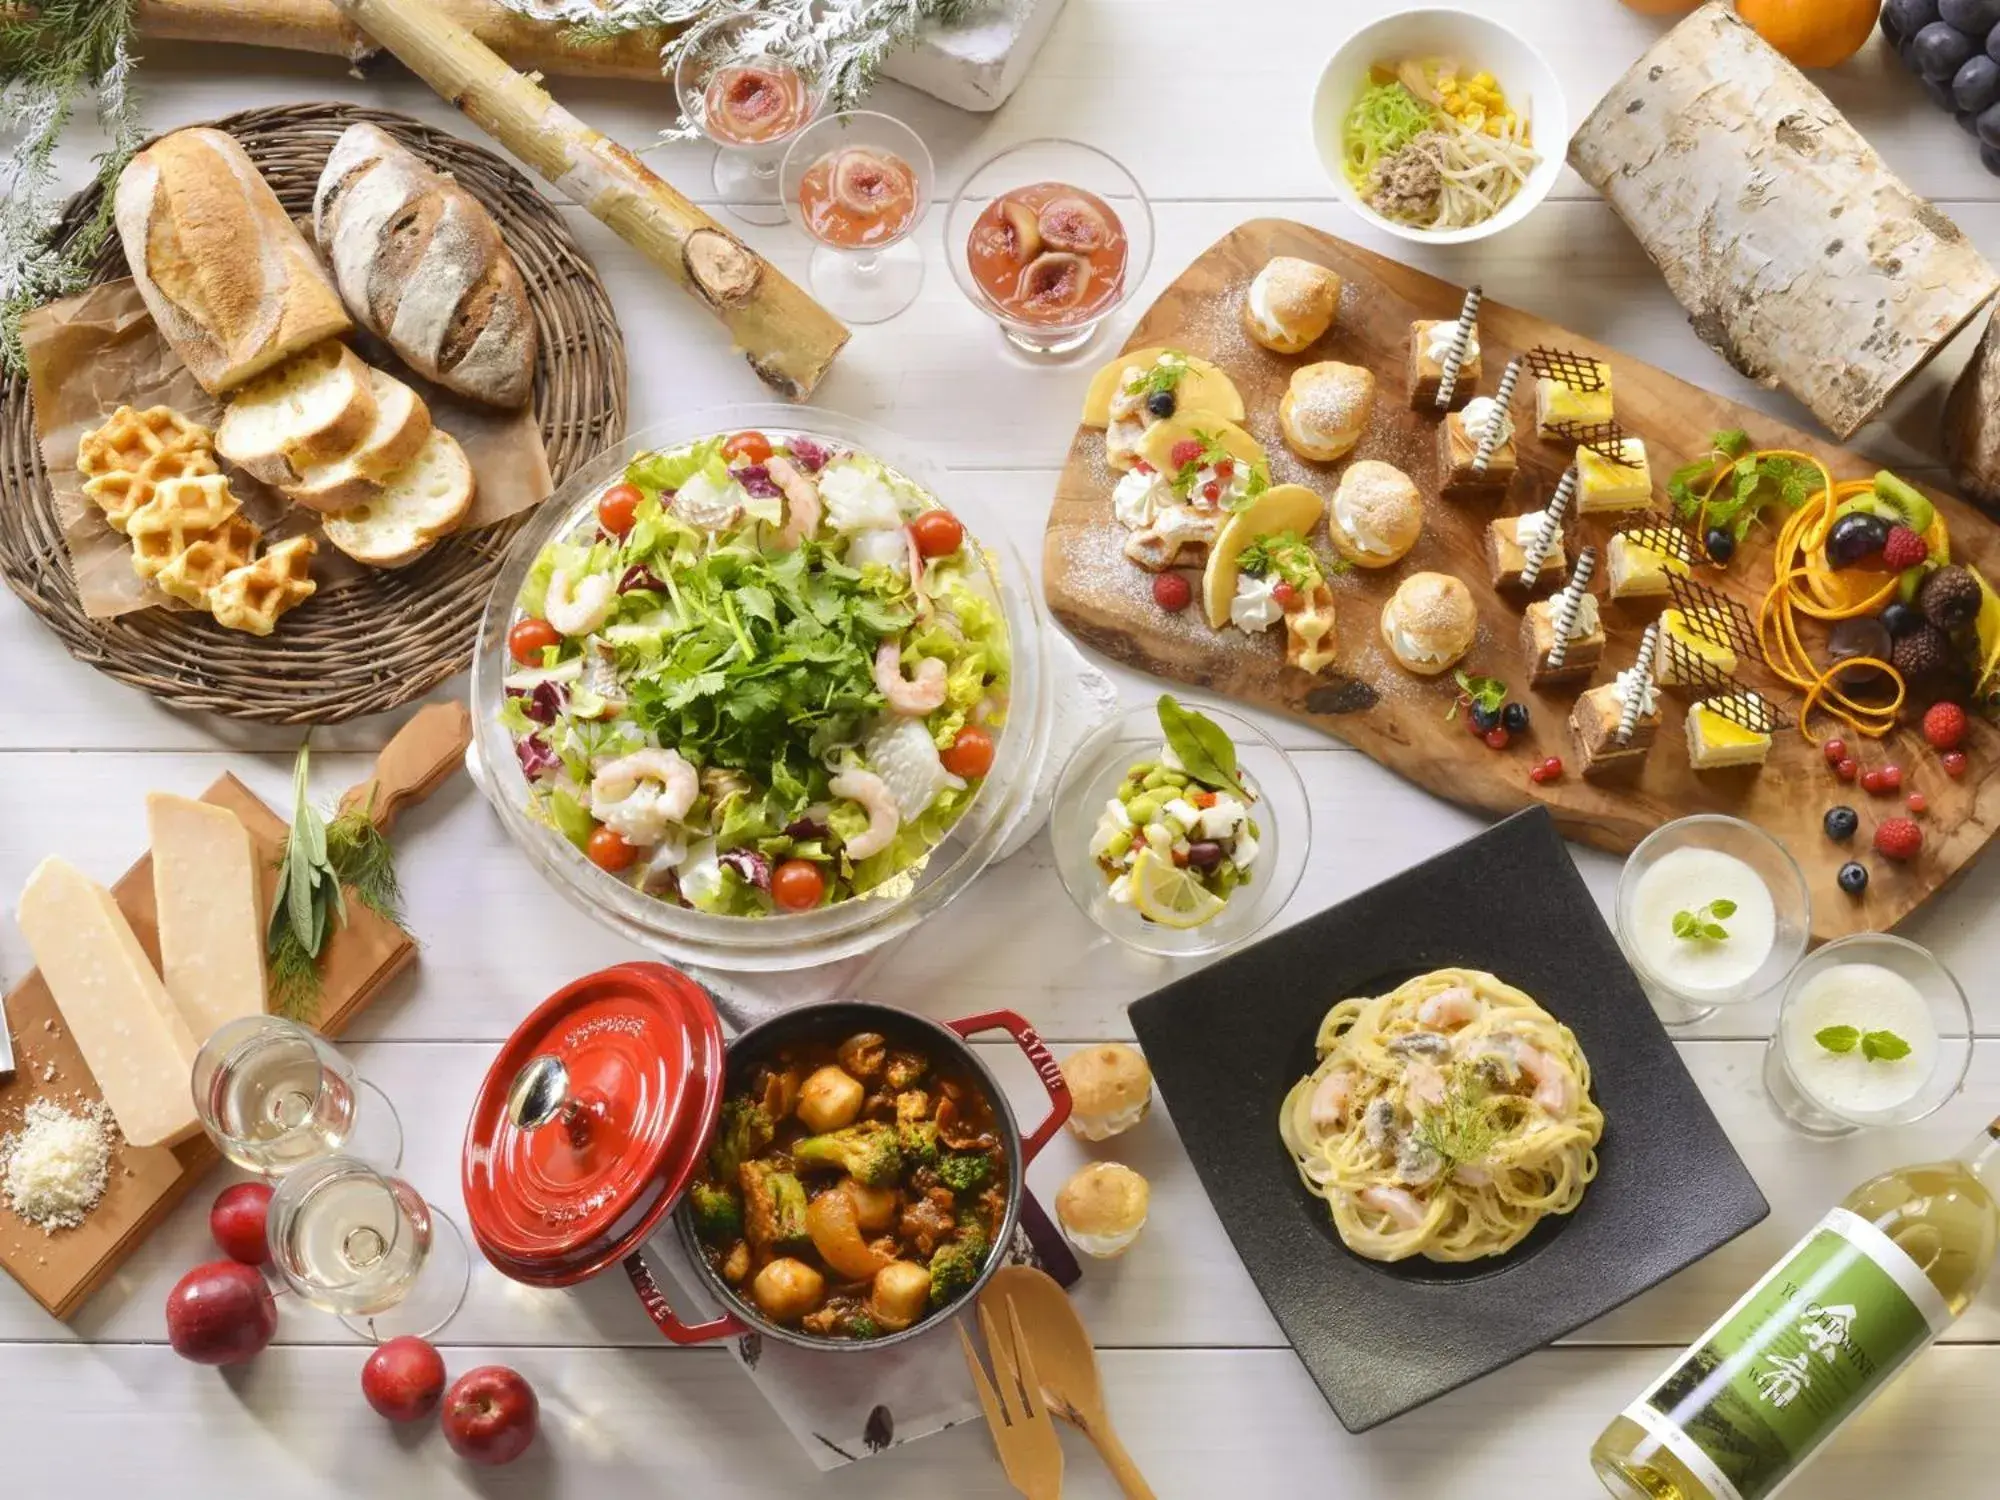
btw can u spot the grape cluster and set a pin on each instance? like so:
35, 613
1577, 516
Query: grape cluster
1954, 46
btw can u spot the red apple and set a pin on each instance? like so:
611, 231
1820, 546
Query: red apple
220, 1314
489, 1415
237, 1222
403, 1379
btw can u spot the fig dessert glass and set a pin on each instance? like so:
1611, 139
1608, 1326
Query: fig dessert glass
750, 103
858, 184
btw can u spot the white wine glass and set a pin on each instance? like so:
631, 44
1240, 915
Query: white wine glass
273, 1094
366, 1247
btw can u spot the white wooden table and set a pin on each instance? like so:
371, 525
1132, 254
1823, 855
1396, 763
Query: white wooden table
1208, 105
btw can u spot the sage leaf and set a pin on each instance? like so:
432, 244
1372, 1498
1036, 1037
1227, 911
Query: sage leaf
1200, 744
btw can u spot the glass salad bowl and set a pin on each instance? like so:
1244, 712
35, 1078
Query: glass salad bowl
778, 939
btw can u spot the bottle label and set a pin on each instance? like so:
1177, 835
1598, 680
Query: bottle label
1804, 1350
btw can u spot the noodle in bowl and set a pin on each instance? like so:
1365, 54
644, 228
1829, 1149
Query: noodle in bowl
1445, 1119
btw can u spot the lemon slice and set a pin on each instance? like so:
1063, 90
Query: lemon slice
1170, 896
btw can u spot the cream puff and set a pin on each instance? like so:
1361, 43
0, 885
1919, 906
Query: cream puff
1103, 1208
1377, 515
1110, 1090
1429, 623
1290, 304
1325, 410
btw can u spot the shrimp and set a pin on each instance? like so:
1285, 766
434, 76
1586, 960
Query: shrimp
638, 795
1329, 1101
802, 508
1399, 1205
910, 698
579, 606
1425, 1082
1551, 1082
1450, 1008
868, 789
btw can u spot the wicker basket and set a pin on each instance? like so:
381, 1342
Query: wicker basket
390, 637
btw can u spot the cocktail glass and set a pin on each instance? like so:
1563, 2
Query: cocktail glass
858, 184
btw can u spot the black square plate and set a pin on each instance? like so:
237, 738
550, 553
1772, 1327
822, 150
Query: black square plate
1227, 1043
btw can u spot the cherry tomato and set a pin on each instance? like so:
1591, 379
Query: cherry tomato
938, 533
609, 851
615, 507
797, 885
751, 445
527, 639
971, 754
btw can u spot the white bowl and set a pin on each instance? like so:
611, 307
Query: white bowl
1483, 46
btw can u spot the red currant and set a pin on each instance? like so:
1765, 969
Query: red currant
1918, 802
1497, 737
1847, 770
1211, 491
1874, 783
1892, 778
1224, 468
1836, 752
1172, 592
1284, 596
1954, 764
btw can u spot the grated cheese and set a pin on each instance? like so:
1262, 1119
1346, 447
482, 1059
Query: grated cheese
53, 1169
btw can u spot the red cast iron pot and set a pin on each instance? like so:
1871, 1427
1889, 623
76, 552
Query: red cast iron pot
599, 1110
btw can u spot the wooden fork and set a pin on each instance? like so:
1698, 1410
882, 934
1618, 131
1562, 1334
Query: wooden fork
1018, 1417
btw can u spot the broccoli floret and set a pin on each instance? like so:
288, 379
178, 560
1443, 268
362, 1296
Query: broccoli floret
745, 1130
774, 1205
861, 1326
718, 1217
965, 1171
867, 1152
972, 1233
919, 1142
955, 1267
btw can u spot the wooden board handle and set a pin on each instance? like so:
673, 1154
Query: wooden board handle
423, 753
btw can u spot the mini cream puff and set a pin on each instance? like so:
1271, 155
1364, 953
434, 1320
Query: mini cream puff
1103, 1208
1377, 515
1325, 410
1110, 1090
1290, 304
1429, 623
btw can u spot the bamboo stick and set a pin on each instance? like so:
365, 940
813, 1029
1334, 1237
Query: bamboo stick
318, 26
788, 338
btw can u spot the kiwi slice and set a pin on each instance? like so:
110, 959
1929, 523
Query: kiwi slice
1908, 503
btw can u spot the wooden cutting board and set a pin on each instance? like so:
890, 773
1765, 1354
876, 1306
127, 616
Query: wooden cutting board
1402, 720
61, 1270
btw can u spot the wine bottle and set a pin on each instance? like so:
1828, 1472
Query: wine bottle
1870, 1288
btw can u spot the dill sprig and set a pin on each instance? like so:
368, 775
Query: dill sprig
51, 54
1461, 1129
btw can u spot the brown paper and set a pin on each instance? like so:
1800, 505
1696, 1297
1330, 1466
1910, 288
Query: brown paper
92, 353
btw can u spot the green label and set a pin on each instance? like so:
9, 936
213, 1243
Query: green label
1807, 1348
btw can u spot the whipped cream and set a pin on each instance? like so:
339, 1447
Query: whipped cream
1103, 1246
1441, 336
1529, 527
1260, 305
1138, 497
1406, 647
1585, 623
1359, 535
1630, 682
1103, 1127
1482, 411
1226, 490
1254, 610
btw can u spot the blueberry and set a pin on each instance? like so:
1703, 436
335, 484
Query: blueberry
1485, 719
1853, 878
1900, 619
1720, 543
1161, 404
1514, 718
1841, 823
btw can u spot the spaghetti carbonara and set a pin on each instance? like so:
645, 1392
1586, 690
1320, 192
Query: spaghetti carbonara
1445, 1118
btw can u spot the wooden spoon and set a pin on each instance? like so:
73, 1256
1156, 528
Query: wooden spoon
1065, 1362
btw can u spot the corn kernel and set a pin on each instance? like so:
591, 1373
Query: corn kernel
1475, 119
1483, 80
1493, 127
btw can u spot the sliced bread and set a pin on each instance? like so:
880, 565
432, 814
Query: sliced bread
424, 500
402, 427
315, 408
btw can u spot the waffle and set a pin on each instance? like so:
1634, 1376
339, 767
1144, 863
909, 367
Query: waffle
251, 598
181, 513
122, 491
129, 437
192, 573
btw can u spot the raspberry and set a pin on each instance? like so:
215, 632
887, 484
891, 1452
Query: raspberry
1904, 549
1172, 592
1954, 763
1944, 726
1496, 739
1847, 770
1185, 452
1898, 839
1836, 751
1919, 803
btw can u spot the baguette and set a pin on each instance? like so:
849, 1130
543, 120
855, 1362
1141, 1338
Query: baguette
313, 409
419, 503
421, 263
227, 276
402, 427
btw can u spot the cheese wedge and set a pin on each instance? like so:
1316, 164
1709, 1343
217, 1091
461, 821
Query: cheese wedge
138, 1047
205, 890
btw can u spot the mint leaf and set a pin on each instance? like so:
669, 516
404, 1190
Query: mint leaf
1702, 924
1684, 924
1722, 908
1733, 442
1838, 1038
1482, 692
1201, 745
1884, 1046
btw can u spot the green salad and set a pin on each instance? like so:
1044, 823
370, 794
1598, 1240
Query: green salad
767, 675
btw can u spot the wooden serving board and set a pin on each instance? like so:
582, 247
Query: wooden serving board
61, 1270
1403, 720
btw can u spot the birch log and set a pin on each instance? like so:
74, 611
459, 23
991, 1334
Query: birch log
788, 338
318, 26
1800, 257
1972, 424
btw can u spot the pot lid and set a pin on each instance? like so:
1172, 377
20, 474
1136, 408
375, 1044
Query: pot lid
591, 1122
